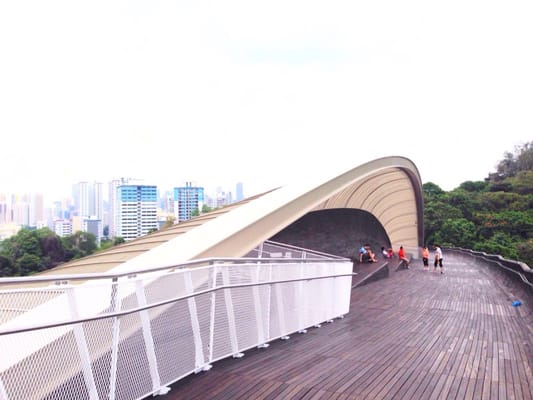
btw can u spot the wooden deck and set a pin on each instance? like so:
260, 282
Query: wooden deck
413, 335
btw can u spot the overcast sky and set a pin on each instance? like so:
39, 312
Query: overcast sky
264, 93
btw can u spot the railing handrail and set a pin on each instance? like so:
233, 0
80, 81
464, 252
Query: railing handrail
522, 270
301, 249
200, 262
165, 302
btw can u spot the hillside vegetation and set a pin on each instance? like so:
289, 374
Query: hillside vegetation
494, 215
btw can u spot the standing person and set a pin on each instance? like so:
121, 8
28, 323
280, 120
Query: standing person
425, 258
403, 257
438, 259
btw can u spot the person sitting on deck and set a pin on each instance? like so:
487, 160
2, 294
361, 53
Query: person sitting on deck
366, 254
402, 256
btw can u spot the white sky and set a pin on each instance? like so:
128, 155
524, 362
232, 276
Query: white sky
264, 93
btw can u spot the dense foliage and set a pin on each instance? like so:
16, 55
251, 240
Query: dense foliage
494, 215
36, 250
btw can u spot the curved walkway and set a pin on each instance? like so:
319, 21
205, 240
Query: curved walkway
414, 335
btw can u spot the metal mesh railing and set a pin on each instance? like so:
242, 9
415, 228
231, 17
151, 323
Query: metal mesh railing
129, 336
518, 270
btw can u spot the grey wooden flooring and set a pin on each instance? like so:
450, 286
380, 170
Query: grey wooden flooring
413, 335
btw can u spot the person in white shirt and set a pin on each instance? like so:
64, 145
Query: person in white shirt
438, 259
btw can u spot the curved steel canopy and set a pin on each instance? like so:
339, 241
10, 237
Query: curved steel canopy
390, 188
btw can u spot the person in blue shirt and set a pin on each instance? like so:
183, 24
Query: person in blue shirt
366, 254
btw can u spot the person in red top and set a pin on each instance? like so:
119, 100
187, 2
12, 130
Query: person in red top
403, 257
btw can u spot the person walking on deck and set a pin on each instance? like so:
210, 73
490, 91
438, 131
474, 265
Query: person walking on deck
438, 259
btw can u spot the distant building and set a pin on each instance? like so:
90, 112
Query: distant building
187, 199
89, 199
94, 226
135, 211
239, 193
63, 227
112, 190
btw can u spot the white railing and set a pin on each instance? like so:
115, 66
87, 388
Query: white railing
131, 335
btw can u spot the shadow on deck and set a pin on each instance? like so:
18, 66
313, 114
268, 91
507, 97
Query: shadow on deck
416, 335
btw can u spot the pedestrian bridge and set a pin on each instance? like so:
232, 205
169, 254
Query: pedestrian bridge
260, 300
414, 335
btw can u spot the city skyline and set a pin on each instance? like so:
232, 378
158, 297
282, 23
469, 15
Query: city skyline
68, 192
263, 93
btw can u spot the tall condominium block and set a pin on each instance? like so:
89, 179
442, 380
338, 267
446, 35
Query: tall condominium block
88, 199
187, 199
239, 192
113, 196
135, 210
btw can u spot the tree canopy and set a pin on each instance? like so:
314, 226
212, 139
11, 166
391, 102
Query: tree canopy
494, 215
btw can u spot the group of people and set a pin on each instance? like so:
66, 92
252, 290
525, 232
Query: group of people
367, 255
437, 261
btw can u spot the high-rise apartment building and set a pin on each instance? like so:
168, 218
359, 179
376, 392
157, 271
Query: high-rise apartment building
135, 210
113, 193
239, 192
89, 199
187, 199
96, 201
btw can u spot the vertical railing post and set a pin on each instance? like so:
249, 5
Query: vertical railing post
261, 340
301, 300
213, 313
231, 315
281, 309
199, 359
83, 349
115, 307
3, 392
149, 340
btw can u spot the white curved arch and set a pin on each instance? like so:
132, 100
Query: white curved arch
390, 188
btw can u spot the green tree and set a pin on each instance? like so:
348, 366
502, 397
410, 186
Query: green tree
206, 209
435, 213
524, 251
462, 200
522, 182
516, 224
458, 232
52, 250
7, 268
500, 243
496, 201
79, 244
29, 263
432, 191
26, 241
105, 244
474, 187
118, 240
